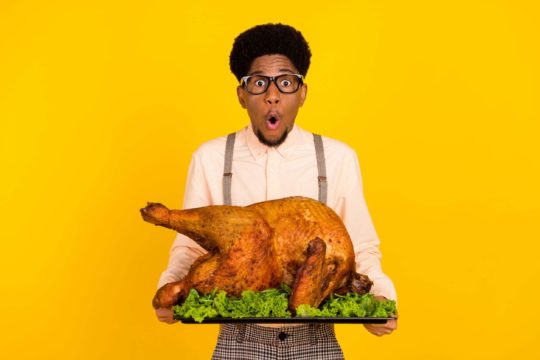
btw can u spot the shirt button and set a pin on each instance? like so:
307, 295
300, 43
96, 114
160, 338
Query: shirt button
282, 336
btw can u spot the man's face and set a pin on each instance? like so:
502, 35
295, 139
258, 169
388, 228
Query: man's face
272, 113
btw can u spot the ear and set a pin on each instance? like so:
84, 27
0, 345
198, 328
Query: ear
240, 92
303, 94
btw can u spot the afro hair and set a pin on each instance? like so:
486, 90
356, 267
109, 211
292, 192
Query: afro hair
269, 39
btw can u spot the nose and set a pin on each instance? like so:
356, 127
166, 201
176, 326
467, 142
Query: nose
272, 94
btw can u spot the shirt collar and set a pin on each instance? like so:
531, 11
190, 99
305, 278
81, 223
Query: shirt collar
258, 149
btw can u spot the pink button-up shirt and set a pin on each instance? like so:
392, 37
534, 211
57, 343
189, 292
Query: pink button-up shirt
264, 173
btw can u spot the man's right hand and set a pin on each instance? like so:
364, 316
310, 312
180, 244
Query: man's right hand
165, 315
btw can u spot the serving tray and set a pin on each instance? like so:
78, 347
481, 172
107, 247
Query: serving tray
291, 320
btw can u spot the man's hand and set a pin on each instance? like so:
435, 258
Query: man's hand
382, 329
165, 315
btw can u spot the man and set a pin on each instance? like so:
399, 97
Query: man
273, 158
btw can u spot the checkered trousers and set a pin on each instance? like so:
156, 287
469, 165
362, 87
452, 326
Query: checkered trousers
251, 342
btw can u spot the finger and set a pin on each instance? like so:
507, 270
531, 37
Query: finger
165, 315
379, 329
390, 325
373, 329
167, 320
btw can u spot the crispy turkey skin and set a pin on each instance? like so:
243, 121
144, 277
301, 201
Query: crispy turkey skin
297, 241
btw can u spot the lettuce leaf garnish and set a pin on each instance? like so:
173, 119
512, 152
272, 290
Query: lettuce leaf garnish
274, 303
350, 305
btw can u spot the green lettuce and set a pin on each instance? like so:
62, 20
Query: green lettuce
274, 303
266, 303
350, 305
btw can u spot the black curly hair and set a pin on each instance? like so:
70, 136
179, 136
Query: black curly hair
269, 39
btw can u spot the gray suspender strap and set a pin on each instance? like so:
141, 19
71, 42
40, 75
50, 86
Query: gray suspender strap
321, 166
227, 169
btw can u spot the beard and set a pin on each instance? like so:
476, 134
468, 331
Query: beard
272, 143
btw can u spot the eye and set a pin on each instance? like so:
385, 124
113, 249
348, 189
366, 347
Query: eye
260, 83
286, 83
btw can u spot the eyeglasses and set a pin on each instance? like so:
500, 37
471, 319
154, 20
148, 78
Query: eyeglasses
258, 84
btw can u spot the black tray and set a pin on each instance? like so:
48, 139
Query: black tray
291, 320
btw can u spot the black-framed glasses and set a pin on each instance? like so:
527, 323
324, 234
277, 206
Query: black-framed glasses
258, 84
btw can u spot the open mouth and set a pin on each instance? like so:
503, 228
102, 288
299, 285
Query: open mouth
272, 121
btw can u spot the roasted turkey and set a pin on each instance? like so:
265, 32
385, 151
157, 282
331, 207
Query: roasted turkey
297, 241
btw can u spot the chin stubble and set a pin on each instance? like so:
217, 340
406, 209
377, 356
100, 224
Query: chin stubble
271, 143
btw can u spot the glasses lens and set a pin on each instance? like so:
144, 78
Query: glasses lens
287, 83
256, 84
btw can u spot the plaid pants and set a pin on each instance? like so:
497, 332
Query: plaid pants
251, 342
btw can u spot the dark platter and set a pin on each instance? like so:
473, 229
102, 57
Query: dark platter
291, 320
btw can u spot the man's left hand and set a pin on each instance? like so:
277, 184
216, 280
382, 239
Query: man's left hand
382, 329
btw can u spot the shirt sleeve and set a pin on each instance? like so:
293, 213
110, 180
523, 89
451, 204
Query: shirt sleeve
184, 251
354, 212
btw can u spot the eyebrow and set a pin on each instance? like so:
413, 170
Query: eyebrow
285, 70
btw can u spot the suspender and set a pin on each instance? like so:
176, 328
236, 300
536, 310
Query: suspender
321, 166
227, 169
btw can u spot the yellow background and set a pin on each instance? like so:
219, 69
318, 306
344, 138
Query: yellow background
103, 102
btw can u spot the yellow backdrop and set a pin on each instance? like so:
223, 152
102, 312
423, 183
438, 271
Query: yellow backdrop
103, 102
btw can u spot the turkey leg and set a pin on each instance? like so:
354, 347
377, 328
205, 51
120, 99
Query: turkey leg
212, 227
309, 278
